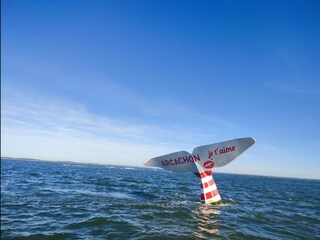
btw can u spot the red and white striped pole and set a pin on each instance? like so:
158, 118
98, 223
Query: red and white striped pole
210, 191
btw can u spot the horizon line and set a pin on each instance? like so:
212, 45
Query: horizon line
114, 165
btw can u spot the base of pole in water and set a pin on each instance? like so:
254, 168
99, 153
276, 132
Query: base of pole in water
210, 191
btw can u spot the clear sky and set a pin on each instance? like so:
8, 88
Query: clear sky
119, 82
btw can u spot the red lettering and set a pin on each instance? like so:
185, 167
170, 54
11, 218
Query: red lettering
185, 159
196, 157
181, 160
227, 149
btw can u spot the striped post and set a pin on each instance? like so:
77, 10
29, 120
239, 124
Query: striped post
210, 191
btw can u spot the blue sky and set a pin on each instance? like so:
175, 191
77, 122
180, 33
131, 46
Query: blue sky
119, 82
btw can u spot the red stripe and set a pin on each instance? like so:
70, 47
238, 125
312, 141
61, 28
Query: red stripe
203, 174
211, 182
212, 194
206, 173
215, 192
209, 195
207, 184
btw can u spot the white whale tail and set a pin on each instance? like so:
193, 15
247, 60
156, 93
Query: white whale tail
202, 161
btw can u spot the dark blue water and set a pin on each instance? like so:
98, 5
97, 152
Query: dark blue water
43, 200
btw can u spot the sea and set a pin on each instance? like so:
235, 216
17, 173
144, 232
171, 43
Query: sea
56, 200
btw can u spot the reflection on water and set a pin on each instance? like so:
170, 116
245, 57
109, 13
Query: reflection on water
206, 216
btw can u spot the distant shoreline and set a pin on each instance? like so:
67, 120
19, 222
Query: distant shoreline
65, 162
160, 169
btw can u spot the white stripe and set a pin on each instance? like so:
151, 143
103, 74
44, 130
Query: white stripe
206, 179
214, 199
210, 189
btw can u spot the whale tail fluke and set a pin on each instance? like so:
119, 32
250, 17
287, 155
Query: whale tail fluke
202, 161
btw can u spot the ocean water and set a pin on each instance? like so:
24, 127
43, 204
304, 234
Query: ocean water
43, 200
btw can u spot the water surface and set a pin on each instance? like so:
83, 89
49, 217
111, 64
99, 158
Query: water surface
47, 200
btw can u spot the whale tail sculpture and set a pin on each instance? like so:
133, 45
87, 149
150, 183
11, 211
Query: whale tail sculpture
202, 161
